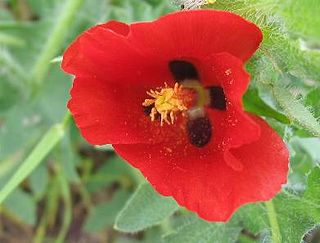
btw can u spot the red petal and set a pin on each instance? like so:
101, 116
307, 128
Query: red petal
229, 127
227, 71
109, 112
199, 178
90, 53
103, 52
117, 27
196, 34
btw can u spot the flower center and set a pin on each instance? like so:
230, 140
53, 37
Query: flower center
166, 102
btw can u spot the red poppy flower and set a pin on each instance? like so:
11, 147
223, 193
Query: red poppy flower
168, 95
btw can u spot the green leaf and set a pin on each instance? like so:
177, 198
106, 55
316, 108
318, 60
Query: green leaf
46, 144
292, 217
302, 17
252, 217
11, 68
55, 40
253, 103
22, 205
277, 49
10, 40
295, 110
103, 215
144, 209
313, 190
69, 159
310, 146
292, 214
313, 102
9, 95
302, 158
194, 230
296, 215
116, 170
39, 181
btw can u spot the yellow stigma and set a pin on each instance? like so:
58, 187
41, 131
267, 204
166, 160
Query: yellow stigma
167, 103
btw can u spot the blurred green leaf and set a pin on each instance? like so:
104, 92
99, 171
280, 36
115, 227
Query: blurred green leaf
115, 170
10, 40
69, 159
8, 95
10, 69
46, 144
22, 205
39, 181
103, 215
43, 9
301, 17
55, 40
144, 209
21, 126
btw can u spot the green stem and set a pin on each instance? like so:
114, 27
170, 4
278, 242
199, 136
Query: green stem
67, 215
86, 171
54, 41
40, 231
272, 215
66, 120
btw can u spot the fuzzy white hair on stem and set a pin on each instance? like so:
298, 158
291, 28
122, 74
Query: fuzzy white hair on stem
192, 4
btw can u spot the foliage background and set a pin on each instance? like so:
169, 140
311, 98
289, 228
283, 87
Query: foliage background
54, 187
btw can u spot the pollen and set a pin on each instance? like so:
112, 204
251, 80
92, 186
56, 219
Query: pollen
167, 102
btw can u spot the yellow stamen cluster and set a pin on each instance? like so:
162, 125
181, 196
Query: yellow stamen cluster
166, 102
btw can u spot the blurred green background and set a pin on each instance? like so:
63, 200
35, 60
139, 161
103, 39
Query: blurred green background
73, 192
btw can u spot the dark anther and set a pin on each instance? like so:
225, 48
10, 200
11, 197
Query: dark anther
199, 131
182, 70
147, 111
182, 6
217, 98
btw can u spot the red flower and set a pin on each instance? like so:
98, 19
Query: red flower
168, 95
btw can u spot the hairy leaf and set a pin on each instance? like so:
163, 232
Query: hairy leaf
145, 208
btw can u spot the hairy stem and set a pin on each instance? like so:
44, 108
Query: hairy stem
272, 215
